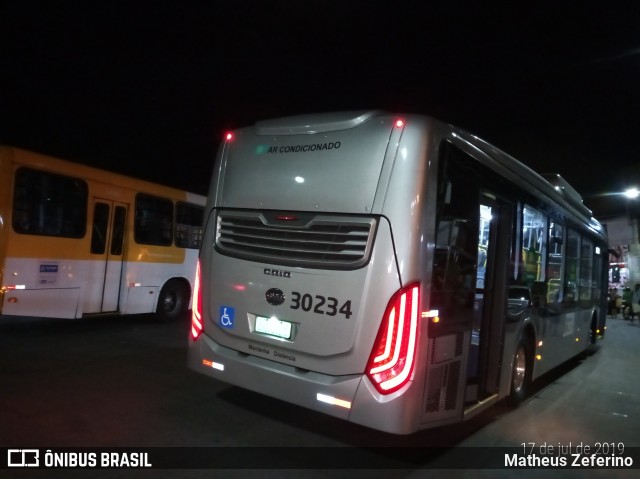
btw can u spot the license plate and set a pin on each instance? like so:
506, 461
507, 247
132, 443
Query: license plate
273, 327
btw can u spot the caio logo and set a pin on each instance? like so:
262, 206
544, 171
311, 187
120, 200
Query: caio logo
274, 296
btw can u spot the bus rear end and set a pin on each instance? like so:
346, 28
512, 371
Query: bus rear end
301, 292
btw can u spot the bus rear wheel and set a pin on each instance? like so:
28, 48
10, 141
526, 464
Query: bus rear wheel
520, 374
173, 302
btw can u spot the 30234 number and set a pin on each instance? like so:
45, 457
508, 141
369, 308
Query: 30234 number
319, 304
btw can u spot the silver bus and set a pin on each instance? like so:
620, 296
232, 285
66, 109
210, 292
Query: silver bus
390, 270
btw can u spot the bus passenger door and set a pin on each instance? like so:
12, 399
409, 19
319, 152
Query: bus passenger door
485, 351
468, 288
105, 267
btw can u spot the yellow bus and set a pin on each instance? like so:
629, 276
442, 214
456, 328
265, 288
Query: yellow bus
77, 241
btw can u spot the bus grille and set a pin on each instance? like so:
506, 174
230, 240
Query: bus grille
296, 239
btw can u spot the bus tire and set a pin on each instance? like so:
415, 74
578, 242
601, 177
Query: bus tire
520, 373
173, 302
593, 331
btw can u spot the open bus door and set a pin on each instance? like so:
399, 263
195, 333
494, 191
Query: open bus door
469, 290
490, 306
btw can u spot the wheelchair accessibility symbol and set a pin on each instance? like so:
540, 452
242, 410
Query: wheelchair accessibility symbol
227, 314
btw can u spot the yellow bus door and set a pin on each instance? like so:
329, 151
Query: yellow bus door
104, 274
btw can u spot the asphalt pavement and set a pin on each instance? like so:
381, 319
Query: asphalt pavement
115, 382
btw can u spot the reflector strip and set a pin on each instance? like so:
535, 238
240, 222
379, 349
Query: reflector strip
333, 401
15, 286
213, 364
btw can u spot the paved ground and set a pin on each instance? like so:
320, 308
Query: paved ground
117, 382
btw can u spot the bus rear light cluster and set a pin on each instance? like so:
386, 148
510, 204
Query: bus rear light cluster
392, 357
197, 326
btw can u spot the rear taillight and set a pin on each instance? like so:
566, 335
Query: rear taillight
196, 307
392, 357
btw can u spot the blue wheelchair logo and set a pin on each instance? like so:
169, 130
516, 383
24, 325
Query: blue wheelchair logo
226, 317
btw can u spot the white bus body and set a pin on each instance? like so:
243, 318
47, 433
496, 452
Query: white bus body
373, 267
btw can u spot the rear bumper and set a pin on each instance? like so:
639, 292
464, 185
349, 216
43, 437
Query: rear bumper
352, 397
274, 379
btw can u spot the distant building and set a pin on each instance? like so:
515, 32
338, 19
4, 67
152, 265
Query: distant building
624, 239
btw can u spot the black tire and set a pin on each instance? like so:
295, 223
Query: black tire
593, 332
173, 302
520, 373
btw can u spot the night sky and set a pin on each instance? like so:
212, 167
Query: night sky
148, 88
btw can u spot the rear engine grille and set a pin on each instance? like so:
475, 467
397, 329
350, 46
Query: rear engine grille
312, 241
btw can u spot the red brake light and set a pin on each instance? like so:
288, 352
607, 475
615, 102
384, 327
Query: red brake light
392, 357
399, 123
196, 310
228, 136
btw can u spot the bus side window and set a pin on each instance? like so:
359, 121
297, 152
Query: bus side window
533, 245
572, 266
153, 220
555, 263
455, 273
587, 284
454, 266
189, 229
49, 204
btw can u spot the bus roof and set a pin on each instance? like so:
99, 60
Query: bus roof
56, 165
